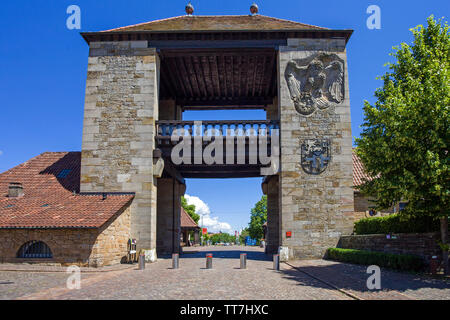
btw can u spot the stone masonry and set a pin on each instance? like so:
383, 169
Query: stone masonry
316, 208
424, 245
121, 108
168, 217
273, 217
82, 247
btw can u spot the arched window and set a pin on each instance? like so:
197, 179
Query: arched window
34, 249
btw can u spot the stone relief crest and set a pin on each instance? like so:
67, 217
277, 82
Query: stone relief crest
316, 82
315, 155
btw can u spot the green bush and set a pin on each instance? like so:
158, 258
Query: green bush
396, 224
402, 262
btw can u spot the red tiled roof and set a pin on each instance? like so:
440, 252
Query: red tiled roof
49, 201
187, 221
359, 174
218, 23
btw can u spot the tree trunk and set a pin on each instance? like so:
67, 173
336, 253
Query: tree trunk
444, 239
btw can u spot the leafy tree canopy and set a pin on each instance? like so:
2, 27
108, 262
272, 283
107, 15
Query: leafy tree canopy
221, 237
244, 233
258, 216
190, 209
404, 143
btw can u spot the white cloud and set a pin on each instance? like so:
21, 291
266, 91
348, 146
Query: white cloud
212, 223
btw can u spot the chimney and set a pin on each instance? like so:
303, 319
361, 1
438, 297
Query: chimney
15, 190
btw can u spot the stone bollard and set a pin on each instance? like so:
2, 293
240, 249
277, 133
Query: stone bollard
175, 260
243, 261
209, 261
276, 262
142, 261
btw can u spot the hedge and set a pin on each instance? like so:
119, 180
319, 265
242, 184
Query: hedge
396, 224
402, 262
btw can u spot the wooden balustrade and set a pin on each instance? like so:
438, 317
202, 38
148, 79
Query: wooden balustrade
165, 128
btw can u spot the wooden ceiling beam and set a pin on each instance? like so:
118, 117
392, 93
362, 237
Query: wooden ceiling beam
206, 71
192, 76
219, 77
179, 62
215, 73
200, 76
236, 101
270, 75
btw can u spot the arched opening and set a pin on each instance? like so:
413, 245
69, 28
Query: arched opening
35, 250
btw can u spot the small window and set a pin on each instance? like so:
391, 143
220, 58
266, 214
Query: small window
402, 206
34, 250
64, 173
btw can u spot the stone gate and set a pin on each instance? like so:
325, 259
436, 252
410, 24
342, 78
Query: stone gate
141, 78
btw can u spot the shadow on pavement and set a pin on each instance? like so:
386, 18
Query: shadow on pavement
353, 278
227, 254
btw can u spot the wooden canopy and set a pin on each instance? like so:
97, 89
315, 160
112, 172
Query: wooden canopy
217, 61
199, 78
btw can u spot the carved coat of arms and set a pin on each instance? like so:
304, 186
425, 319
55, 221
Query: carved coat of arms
315, 155
316, 83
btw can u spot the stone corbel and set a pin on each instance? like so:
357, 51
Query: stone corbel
265, 183
158, 163
264, 187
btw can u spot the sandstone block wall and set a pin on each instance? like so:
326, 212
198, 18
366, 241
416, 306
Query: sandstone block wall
121, 108
424, 245
111, 245
317, 209
82, 247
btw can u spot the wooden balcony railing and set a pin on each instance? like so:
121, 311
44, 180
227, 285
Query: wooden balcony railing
226, 128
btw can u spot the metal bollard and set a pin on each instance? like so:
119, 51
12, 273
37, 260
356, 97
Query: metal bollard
175, 260
209, 261
243, 261
141, 261
276, 262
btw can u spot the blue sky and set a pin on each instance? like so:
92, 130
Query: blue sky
43, 71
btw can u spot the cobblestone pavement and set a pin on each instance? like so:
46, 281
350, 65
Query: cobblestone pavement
225, 281
394, 285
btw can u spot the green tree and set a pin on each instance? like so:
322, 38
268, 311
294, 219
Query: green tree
404, 143
222, 237
190, 209
244, 233
258, 216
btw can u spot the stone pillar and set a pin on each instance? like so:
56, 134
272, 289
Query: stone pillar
169, 215
316, 196
272, 110
273, 226
196, 237
168, 110
121, 107
271, 190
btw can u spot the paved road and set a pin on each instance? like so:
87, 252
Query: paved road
314, 279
